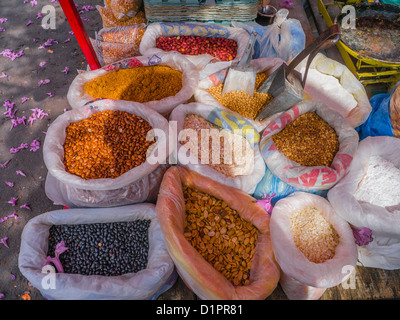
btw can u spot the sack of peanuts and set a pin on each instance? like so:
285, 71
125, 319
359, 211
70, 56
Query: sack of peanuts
310, 146
209, 91
333, 83
220, 144
368, 198
98, 155
204, 44
217, 236
314, 247
159, 82
118, 43
97, 254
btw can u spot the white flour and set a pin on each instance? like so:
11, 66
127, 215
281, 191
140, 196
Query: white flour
380, 185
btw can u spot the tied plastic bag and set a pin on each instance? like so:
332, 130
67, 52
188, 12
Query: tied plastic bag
201, 95
302, 279
206, 63
118, 43
310, 177
284, 38
200, 276
109, 20
190, 76
139, 184
123, 9
384, 250
244, 165
340, 89
158, 276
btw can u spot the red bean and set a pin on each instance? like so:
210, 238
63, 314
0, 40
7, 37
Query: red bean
221, 48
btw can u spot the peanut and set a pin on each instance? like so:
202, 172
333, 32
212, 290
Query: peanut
220, 235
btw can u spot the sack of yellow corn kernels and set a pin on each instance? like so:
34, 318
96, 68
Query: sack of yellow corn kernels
314, 247
368, 198
209, 91
217, 236
207, 45
98, 155
118, 43
221, 145
310, 146
159, 82
333, 83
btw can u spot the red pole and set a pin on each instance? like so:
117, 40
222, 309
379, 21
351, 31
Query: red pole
80, 33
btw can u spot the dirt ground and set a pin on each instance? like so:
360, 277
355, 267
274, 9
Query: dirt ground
20, 79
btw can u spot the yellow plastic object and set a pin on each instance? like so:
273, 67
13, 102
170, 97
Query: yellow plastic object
367, 70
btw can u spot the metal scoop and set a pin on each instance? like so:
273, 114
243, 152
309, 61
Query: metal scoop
241, 76
285, 84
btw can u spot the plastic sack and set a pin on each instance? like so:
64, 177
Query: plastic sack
201, 95
226, 120
384, 250
284, 38
204, 61
333, 83
205, 281
123, 9
148, 283
378, 122
126, 34
302, 279
310, 177
109, 20
139, 184
108, 52
274, 187
190, 76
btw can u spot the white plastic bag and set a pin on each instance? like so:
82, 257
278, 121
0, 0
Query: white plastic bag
204, 61
226, 120
302, 279
384, 250
201, 95
139, 184
332, 83
145, 284
190, 76
284, 38
310, 177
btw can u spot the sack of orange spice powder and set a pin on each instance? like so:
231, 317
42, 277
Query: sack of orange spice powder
159, 96
231, 214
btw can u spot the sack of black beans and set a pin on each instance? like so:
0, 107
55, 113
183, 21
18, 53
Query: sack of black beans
97, 254
218, 144
310, 146
97, 155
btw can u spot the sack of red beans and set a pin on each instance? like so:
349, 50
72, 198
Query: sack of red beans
97, 254
98, 155
204, 44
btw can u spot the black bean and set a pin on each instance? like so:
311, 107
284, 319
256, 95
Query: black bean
109, 249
